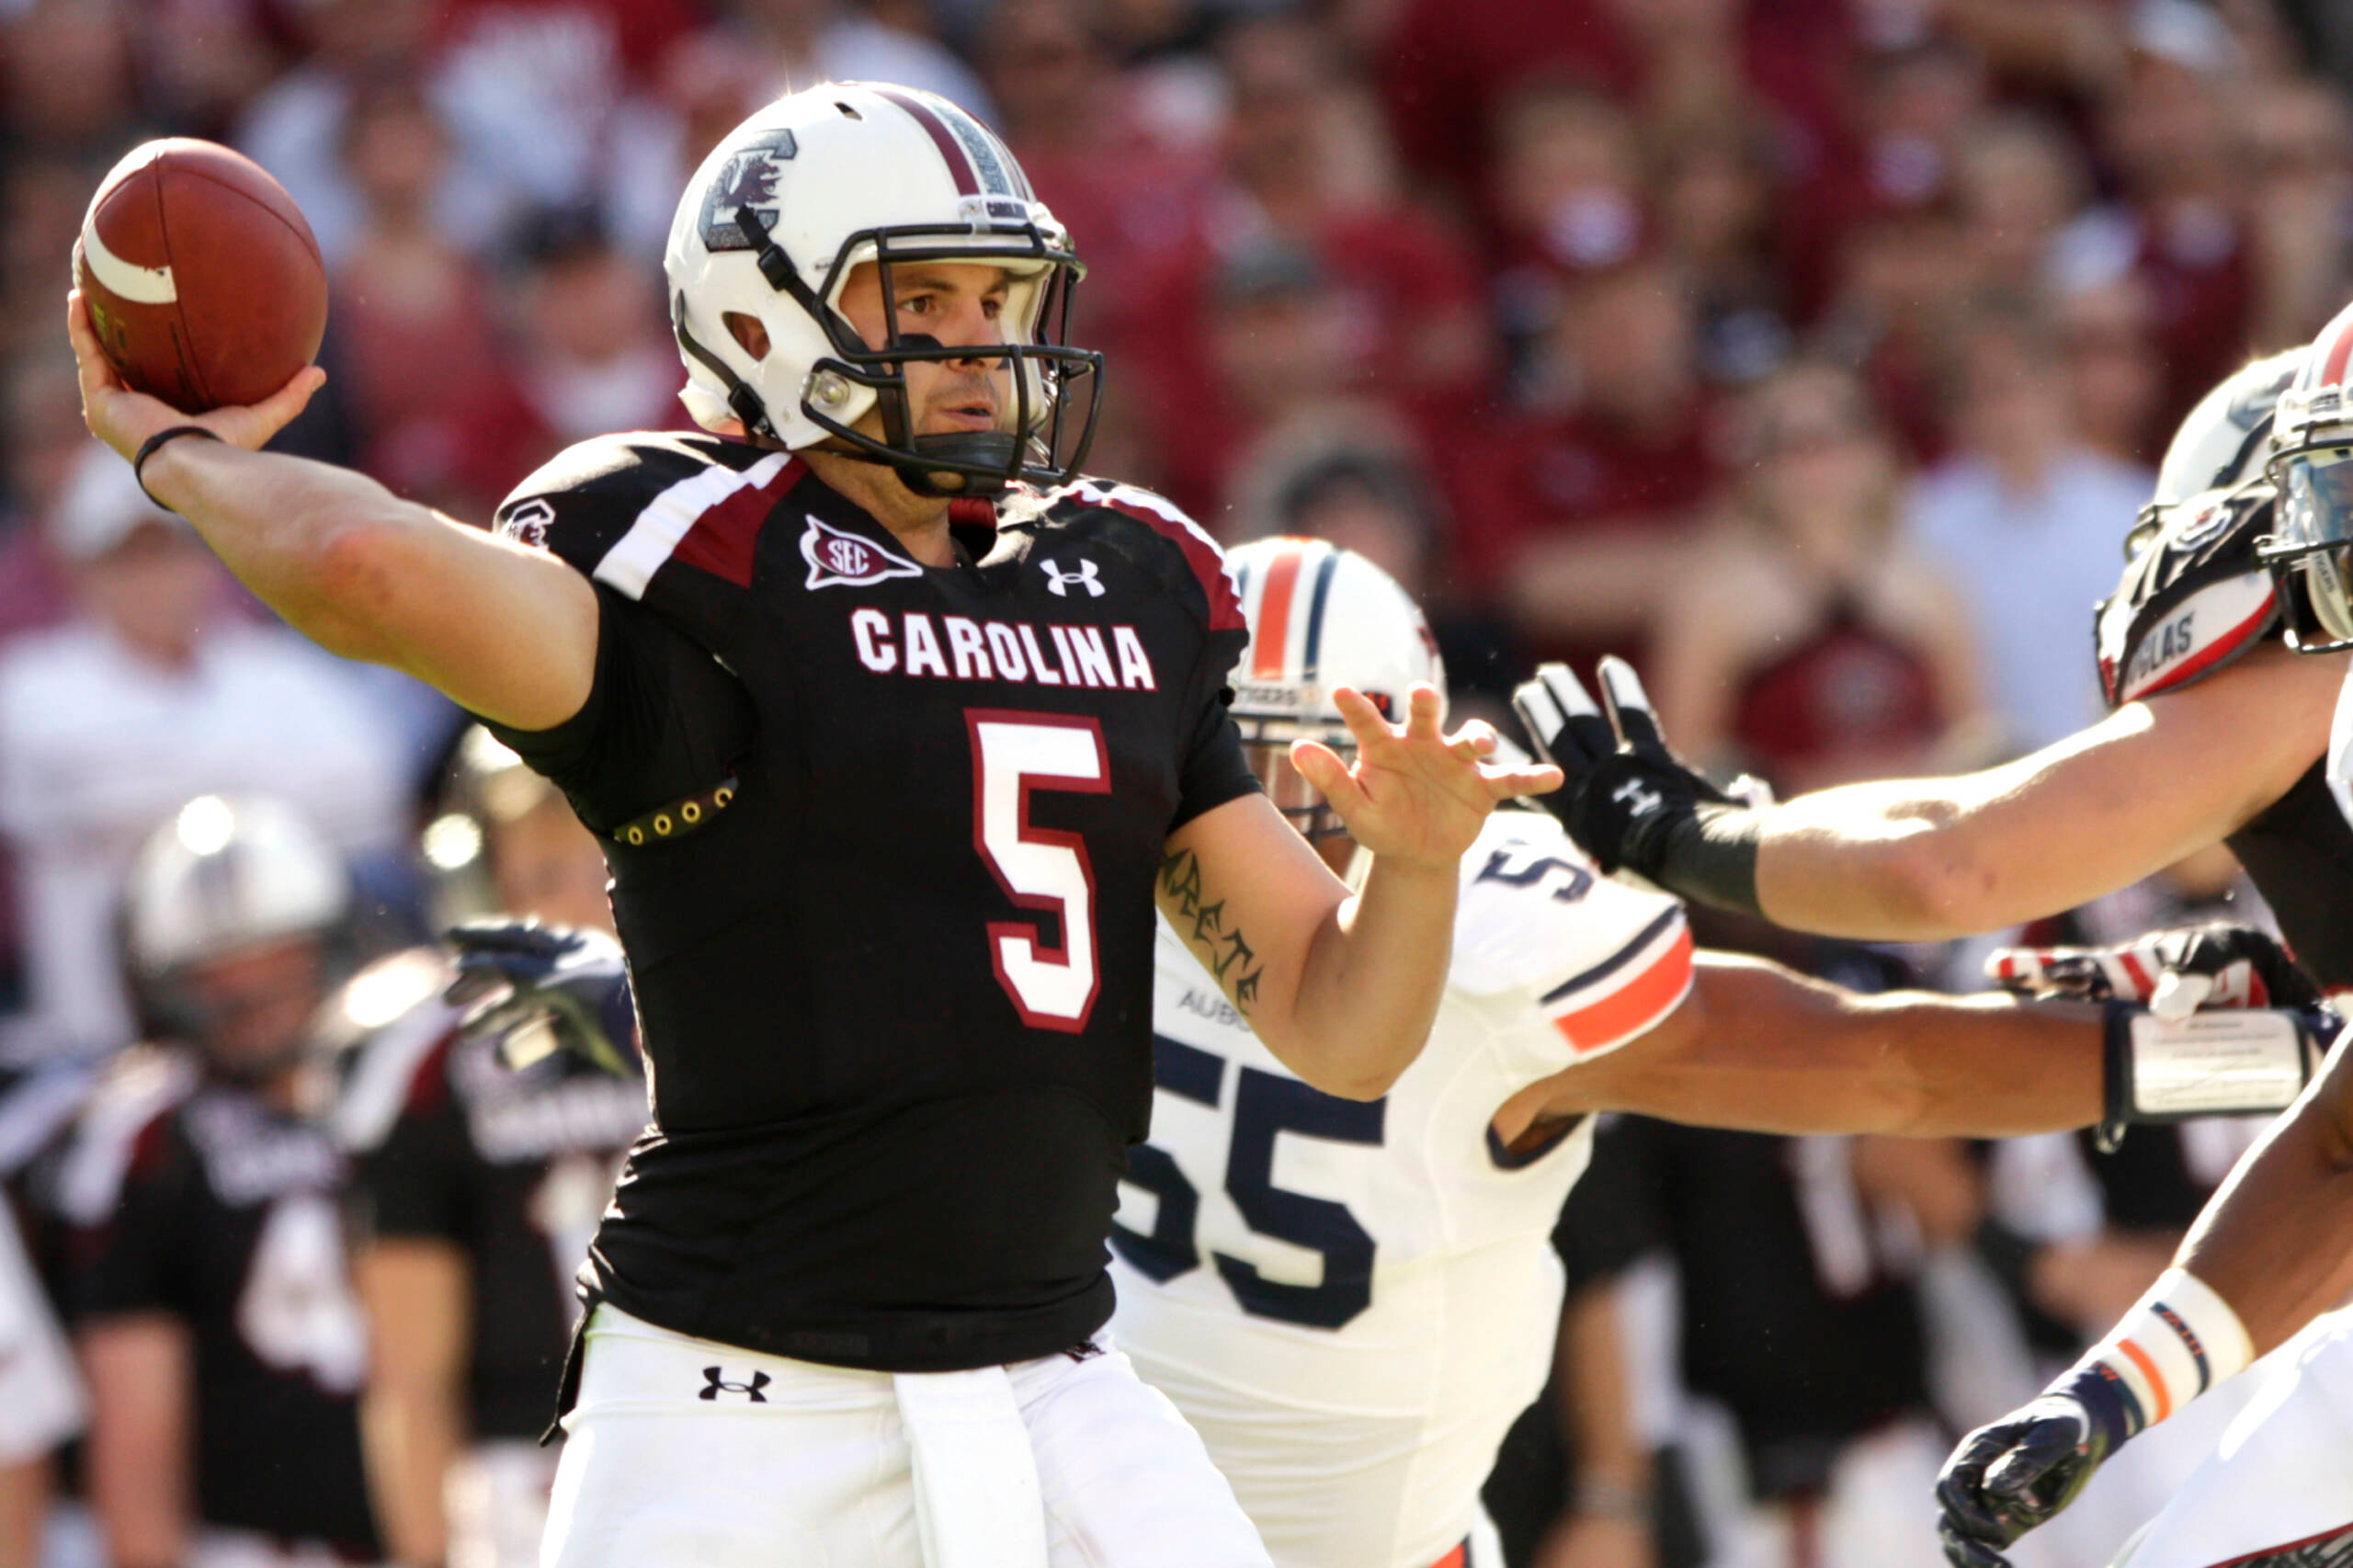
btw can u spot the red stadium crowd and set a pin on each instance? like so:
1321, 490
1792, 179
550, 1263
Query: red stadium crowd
1816, 354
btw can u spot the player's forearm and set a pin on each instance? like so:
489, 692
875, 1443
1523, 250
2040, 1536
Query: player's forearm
1613, 1473
1783, 1054
1369, 989
413, 1432
507, 633
2272, 1241
139, 1369
306, 537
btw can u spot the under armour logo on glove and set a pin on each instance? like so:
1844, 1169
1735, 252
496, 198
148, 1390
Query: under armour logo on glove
1638, 798
1058, 582
1627, 794
717, 1387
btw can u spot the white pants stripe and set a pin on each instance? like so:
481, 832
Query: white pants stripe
816, 1471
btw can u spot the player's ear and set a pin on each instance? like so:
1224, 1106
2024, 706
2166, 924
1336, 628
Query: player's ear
748, 330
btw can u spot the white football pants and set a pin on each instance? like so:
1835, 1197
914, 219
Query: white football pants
682, 1453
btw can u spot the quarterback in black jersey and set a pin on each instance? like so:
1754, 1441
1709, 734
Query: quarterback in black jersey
895, 728
204, 1269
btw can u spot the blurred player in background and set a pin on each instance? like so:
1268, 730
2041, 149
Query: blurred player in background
2273, 1251
41, 1403
205, 1268
1351, 1301
478, 1184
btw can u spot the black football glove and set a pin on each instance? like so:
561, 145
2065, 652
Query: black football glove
2174, 972
1628, 802
2013, 1474
514, 973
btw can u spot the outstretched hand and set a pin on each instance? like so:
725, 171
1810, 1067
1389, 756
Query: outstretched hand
1627, 792
1413, 795
123, 418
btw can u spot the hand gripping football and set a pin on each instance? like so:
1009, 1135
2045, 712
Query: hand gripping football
202, 278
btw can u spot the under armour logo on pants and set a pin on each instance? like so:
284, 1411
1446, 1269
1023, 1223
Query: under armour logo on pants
716, 1387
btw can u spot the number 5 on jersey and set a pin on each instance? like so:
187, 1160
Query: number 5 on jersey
1041, 868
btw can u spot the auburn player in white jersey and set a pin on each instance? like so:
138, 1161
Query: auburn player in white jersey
1352, 1301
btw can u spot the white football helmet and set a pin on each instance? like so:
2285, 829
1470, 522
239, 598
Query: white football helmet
1320, 617
2311, 548
226, 874
813, 185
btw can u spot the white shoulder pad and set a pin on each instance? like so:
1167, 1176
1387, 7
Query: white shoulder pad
1601, 961
391, 1016
140, 1084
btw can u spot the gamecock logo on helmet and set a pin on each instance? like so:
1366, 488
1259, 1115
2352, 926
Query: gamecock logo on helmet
836, 558
749, 179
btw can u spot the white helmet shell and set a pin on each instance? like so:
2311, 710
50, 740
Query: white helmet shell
1322, 617
826, 170
228, 874
2226, 441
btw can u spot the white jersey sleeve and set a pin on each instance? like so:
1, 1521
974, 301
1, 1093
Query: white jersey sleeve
1588, 962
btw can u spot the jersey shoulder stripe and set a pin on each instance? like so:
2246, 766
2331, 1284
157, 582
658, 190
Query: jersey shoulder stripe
1629, 993
1203, 559
141, 1088
621, 508
391, 1071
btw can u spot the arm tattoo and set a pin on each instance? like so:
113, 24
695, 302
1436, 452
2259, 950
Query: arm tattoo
1222, 948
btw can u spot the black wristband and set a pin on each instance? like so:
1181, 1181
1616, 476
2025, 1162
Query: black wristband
148, 447
1711, 856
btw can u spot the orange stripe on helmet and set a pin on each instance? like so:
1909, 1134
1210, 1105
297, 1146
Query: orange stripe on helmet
1273, 631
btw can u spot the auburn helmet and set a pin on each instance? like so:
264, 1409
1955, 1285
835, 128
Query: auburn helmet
1320, 617
820, 181
2311, 470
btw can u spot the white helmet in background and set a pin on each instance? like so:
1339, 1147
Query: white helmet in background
819, 181
225, 875
2312, 469
1320, 617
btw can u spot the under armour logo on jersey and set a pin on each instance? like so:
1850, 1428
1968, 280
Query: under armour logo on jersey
837, 556
1058, 582
1638, 798
715, 1386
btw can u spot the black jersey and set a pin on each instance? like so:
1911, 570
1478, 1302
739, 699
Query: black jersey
882, 840
511, 1167
195, 1199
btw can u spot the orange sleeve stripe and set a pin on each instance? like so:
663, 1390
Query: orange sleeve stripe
1634, 1006
2140, 1358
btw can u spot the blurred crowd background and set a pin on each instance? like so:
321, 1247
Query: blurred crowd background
1816, 354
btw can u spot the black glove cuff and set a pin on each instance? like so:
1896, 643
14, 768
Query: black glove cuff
1710, 856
